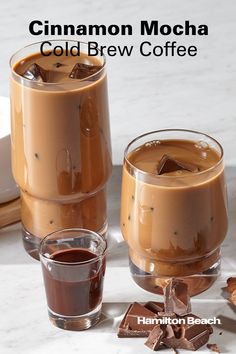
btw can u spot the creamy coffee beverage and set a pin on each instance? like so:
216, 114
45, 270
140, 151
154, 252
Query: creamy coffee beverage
173, 209
61, 150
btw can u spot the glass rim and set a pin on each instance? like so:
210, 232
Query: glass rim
40, 84
78, 229
198, 173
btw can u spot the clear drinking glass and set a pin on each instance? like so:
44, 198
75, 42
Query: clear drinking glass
174, 225
61, 150
73, 263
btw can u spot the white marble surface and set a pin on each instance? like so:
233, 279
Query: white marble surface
148, 93
24, 324
26, 328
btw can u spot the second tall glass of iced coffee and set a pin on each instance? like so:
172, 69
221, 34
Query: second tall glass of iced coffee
61, 151
174, 208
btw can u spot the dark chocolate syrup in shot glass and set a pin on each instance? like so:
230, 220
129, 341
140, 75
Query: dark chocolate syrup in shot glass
74, 288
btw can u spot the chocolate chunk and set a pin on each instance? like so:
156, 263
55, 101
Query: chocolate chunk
35, 73
190, 335
169, 333
231, 288
231, 284
81, 71
232, 298
167, 164
183, 343
213, 347
167, 314
176, 297
191, 330
154, 306
187, 336
124, 331
155, 337
138, 313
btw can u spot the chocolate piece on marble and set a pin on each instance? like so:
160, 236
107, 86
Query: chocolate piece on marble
124, 331
138, 313
154, 306
155, 338
187, 336
176, 297
213, 347
167, 314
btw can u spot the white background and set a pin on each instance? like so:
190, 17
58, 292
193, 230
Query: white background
148, 93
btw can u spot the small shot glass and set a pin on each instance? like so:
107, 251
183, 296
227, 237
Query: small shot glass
73, 264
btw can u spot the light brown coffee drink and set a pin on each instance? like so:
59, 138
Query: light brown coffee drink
61, 150
174, 208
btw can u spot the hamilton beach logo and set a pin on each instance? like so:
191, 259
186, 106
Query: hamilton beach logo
178, 321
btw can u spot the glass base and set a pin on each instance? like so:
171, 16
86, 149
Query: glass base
197, 283
31, 243
75, 323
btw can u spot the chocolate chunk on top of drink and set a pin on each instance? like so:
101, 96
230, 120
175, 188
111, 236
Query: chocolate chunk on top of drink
81, 71
59, 69
35, 73
168, 164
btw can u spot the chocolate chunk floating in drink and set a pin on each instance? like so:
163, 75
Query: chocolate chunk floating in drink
176, 297
155, 337
124, 330
35, 73
213, 347
81, 71
168, 164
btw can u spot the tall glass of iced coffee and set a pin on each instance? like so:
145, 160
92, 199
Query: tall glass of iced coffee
61, 150
174, 208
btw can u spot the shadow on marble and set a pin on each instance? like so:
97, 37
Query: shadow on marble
112, 313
